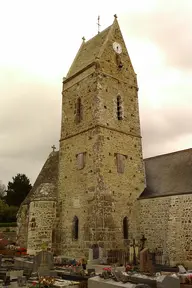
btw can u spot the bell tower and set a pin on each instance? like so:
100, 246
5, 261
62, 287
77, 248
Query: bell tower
101, 171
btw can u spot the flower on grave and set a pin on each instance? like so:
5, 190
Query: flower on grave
107, 269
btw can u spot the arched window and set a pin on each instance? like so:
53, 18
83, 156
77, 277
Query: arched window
125, 228
78, 110
75, 230
119, 108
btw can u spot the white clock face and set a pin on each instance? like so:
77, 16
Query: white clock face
117, 47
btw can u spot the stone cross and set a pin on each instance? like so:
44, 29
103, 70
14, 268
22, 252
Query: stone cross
53, 147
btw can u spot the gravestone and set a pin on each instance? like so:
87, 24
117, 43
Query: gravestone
100, 253
164, 281
182, 270
95, 248
43, 263
144, 259
22, 281
90, 254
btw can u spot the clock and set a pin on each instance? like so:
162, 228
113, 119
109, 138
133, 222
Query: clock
117, 47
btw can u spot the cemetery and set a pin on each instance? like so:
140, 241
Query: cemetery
138, 268
92, 199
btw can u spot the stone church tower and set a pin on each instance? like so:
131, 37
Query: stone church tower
101, 172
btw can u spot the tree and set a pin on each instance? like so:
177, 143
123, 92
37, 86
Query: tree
3, 207
17, 190
2, 190
7, 213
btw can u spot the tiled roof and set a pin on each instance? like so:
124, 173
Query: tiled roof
168, 174
46, 184
88, 52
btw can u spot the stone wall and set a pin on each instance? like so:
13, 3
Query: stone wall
166, 222
42, 215
22, 226
98, 195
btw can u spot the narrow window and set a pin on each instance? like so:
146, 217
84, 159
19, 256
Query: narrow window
118, 61
120, 160
80, 160
125, 228
53, 236
119, 108
78, 111
75, 228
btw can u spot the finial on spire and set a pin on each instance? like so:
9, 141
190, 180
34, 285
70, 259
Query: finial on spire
83, 38
53, 147
115, 16
98, 24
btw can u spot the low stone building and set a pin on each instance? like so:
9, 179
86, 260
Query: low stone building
37, 214
97, 192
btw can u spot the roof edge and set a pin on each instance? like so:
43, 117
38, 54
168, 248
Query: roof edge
164, 195
170, 153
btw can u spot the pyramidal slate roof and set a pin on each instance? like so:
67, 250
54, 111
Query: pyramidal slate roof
45, 186
168, 174
89, 51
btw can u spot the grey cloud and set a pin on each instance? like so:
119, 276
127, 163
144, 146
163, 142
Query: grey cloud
170, 28
163, 127
30, 124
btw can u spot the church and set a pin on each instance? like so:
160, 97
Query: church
97, 192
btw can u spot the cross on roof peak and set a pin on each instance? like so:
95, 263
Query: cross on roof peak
53, 147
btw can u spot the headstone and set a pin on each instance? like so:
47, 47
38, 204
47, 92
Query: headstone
168, 282
144, 259
182, 270
131, 254
90, 254
22, 281
43, 263
100, 253
43, 258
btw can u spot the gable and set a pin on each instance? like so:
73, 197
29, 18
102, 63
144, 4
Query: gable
88, 52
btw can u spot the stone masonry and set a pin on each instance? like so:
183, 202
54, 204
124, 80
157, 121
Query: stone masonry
94, 190
98, 195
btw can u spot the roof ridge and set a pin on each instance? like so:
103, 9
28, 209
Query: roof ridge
170, 153
98, 34
82, 44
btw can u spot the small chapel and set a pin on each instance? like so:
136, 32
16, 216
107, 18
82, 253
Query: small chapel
97, 192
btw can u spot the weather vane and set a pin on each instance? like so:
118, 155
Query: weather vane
98, 24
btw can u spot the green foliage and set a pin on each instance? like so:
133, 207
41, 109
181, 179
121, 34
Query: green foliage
17, 190
7, 213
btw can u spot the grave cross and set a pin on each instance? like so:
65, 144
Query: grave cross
143, 239
53, 147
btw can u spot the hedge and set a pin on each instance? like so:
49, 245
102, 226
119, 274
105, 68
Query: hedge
11, 224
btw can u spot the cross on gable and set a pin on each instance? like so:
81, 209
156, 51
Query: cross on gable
53, 147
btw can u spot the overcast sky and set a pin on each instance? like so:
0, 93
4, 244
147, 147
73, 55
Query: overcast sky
38, 41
